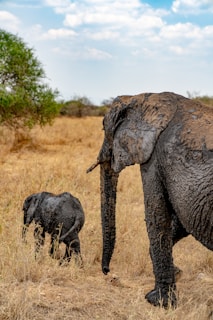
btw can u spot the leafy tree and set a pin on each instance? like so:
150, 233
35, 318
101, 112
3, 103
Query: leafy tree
25, 100
107, 102
82, 107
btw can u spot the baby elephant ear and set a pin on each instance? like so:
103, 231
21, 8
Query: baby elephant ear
30, 206
27, 203
136, 133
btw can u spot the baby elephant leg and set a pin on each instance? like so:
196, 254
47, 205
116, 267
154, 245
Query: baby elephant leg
73, 248
39, 236
54, 246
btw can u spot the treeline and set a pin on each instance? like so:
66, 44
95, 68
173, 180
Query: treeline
205, 100
82, 107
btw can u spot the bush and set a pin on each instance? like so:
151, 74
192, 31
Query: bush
206, 100
25, 100
82, 107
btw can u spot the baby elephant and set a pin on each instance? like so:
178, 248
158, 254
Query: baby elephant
61, 216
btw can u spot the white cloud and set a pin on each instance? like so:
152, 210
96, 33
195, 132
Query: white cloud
61, 51
127, 38
118, 20
178, 50
73, 20
93, 53
132, 24
65, 6
192, 6
145, 23
83, 54
96, 17
120, 13
103, 35
61, 6
61, 33
181, 31
30, 4
208, 31
57, 3
9, 21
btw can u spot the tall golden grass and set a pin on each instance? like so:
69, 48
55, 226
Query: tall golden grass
56, 160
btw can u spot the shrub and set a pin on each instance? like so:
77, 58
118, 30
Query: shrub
25, 100
82, 107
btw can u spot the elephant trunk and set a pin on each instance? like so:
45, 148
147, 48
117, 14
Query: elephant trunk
109, 181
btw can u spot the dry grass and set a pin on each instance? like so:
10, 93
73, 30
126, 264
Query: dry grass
56, 161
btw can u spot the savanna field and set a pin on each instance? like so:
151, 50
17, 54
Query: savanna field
55, 160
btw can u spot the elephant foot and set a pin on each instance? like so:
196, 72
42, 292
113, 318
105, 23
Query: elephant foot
162, 298
63, 263
78, 261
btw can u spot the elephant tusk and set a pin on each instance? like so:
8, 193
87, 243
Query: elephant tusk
93, 166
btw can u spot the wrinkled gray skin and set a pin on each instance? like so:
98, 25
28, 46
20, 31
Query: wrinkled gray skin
171, 138
61, 216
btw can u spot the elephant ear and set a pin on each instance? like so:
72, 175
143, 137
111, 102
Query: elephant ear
30, 206
138, 123
28, 201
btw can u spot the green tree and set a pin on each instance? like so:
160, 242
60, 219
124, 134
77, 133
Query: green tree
25, 99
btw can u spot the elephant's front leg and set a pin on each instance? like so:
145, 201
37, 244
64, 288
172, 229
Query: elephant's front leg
158, 221
39, 236
163, 293
54, 245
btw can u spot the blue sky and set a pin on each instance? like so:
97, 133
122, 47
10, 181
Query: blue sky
104, 48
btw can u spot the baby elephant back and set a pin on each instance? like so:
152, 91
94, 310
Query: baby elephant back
71, 207
71, 216
63, 209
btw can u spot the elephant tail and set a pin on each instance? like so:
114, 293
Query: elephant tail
75, 227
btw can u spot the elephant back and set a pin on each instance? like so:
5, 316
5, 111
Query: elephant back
197, 131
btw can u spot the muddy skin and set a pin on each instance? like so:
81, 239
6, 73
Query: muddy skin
61, 216
171, 138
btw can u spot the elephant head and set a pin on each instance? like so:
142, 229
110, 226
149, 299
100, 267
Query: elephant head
132, 128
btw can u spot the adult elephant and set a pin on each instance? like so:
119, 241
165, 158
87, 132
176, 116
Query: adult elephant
171, 138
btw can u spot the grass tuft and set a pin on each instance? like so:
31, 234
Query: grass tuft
40, 289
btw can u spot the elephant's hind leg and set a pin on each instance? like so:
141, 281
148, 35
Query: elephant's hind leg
73, 249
